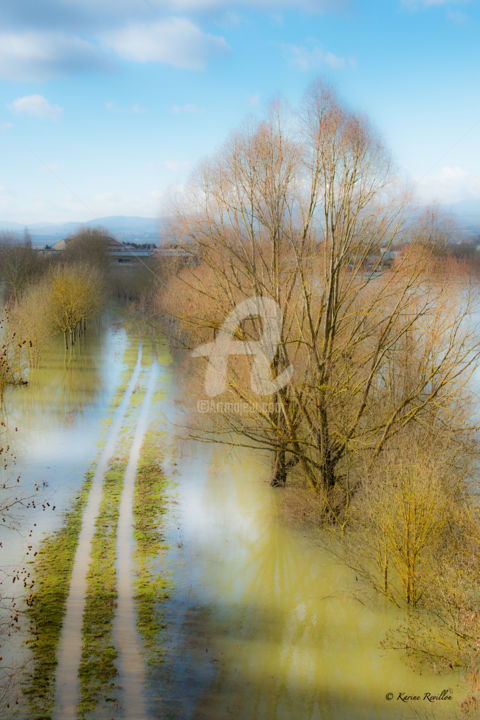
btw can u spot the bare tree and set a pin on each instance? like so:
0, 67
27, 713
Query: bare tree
12, 355
89, 245
303, 209
18, 264
75, 295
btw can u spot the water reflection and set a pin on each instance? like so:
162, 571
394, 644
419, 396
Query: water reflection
65, 383
59, 419
263, 623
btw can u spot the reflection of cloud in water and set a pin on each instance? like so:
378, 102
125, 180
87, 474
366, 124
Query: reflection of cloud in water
60, 444
59, 419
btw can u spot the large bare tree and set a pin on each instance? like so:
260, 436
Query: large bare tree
303, 209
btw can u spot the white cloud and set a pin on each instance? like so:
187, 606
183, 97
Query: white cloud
148, 31
336, 62
175, 41
314, 57
188, 108
34, 56
38, 106
87, 31
450, 185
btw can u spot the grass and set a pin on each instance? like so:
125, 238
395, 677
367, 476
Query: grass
129, 359
97, 670
151, 586
47, 603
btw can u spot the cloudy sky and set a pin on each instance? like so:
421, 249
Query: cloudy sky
107, 105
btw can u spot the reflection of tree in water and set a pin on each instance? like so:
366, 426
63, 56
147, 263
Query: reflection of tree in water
66, 382
259, 623
270, 627
241, 643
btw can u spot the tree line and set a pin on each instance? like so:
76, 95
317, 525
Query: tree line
47, 296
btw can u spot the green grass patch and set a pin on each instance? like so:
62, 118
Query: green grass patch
97, 670
129, 359
52, 569
151, 585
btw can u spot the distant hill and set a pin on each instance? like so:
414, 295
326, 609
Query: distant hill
128, 228
467, 214
124, 228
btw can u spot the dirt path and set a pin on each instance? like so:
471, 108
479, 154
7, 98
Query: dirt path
131, 667
70, 646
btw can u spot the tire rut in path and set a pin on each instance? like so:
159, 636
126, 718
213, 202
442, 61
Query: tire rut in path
127, 641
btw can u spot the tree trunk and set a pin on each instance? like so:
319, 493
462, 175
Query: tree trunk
328, 459
328, 471
385, 573
279, 469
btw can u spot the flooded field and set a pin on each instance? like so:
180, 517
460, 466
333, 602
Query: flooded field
259, 621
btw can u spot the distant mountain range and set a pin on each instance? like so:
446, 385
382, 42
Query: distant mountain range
124, 228
127, 228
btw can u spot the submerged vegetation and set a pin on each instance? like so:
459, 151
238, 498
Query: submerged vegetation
51, 570
97, 670
151, 584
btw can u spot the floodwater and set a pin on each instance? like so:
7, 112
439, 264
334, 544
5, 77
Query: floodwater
60, 420
262, 622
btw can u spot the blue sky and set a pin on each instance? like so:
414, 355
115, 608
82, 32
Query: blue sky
106, 106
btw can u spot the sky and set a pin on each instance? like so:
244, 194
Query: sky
107, 106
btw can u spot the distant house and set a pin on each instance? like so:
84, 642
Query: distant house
121, 252
173, 251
